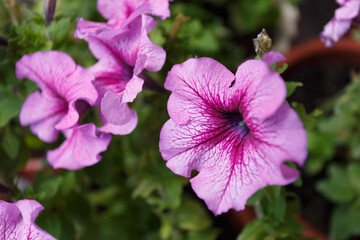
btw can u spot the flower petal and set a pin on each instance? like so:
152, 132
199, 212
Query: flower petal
62, 83
43, 112
272, 57
198, 85
261, 90
121, 10
17, 221
80, 149
115, 110
282, 135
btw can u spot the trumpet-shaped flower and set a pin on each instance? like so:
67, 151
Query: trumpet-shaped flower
17, 221
341, 22
236, 131
122, 55
66, 91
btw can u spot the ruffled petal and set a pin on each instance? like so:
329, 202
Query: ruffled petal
115, 111
282, 135
260, 90
62, 83
17, 221
120, 11
348, 11
80, 149
334, 30
199, 87
43, 112
124, 129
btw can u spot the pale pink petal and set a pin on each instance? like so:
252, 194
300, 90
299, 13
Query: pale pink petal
84, 28
43, 112
272, 57
80, 149
131, 50
121, 10
349, 11
282, 135
334, 30
115, 110
261, 90
17, 221
124, 129
229, 186
341, 22
62, 83
198, 86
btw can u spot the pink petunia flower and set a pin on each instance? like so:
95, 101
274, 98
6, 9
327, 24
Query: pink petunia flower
123, 55
236, 131
341, 22
66, 91
17, 221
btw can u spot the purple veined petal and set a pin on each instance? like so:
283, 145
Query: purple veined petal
62, 83
261, 90
272, 57
115, 111
282, 135
198, 85
229, 186
17, 221
81, 148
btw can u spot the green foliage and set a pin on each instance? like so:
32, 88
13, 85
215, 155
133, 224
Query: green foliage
275, 210
335, 142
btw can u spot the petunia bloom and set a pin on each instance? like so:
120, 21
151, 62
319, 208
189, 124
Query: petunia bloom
122, 55
236, 131
17, 221
66, 91
341, 22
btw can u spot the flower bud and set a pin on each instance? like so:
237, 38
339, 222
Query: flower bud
49, 10
262, 43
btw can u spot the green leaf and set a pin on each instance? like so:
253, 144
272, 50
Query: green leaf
291, 86
172, 188
192, 216
345, 222
255, 230
165, 228
46, 187
9, 108
282, 69
209, 234
49, 222
337, 188
68, 183
353, 171
10, 144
